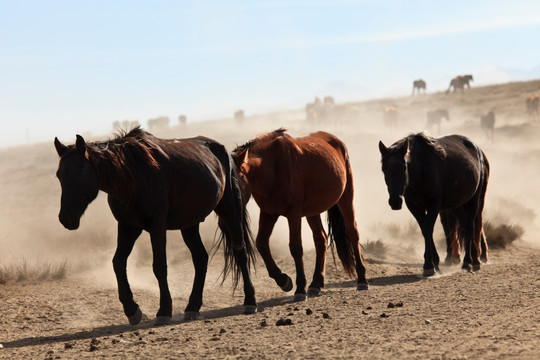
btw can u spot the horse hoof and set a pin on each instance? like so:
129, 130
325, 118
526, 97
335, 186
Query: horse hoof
313, 292
300, 297
191, 315
162, 320
362, 287
250, 309
137, 317
428, 272
476, 267
288, 285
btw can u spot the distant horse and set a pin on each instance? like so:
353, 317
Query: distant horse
297, 177
390, 117
434, 117
532, 107
158, 123
419, 84
487, 123
158, 185
447, 175
182, 120
459, 82
239, 116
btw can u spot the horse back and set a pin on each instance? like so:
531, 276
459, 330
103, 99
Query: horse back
305, 174
462, 169
189, 185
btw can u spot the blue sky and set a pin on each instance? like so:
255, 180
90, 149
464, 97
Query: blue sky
76, 66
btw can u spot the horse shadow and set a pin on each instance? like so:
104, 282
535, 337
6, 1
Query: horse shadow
112, 330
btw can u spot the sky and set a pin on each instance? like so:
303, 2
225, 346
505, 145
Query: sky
72, 66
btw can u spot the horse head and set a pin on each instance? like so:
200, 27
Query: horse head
78, 181
240, 157
394, 167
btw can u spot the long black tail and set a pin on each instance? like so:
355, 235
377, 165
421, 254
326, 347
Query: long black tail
338, 235
237, 211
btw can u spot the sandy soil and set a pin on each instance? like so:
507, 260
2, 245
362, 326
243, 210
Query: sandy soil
491, 314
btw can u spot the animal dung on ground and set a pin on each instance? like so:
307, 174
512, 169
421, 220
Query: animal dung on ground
283, 322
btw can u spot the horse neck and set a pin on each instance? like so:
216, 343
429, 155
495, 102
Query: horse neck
113, 177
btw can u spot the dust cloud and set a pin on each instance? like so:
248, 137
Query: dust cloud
30, 193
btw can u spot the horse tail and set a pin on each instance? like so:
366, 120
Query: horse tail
479, 221
243, 241
338, 236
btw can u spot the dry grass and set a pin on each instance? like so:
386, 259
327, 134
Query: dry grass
375, 248
501, 236
24, 271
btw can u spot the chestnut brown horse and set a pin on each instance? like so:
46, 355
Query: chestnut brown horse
297, 177
158, 185
447, 175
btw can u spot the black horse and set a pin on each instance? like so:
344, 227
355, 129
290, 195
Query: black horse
447, 175
434, 117
158, 185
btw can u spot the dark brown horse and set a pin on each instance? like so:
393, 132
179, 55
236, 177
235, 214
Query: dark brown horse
447, 175
297, 177
532, 107
419, 85
487, 123
158, 185
434, 117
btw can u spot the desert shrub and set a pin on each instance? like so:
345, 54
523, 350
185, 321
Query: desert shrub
375, 248
501, 236
24, 271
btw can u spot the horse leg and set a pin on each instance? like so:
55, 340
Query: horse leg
126, 239
426, 220
449, 223
295, 246
484, 246
192, 238
266, 225
321, 242
158, 238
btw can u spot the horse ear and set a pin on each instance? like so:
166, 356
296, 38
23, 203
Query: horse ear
80, 145
246, 155
60, 148
382, 148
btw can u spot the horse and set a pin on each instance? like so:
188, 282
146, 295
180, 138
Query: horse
419, 84
532, 107
446, 175
158, 123
459, 82
158, 185
487, 123
434, 117
390, 117
303, 177
239, 116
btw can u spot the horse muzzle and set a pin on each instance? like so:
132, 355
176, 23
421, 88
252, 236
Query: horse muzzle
395, 202
69, 222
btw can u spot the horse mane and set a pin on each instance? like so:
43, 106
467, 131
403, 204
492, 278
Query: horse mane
429, 142
124, 162
261, 138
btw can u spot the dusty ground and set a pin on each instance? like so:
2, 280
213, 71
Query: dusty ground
494, 313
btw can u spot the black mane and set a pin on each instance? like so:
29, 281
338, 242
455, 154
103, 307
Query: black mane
123, 162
